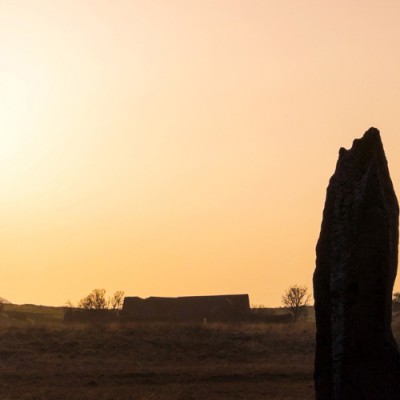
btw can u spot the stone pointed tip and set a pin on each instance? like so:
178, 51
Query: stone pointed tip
372, 132
342, 152
371, 141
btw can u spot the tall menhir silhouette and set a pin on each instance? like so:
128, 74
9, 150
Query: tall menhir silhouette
356, 354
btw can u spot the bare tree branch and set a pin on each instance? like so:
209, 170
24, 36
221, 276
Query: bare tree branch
296, 299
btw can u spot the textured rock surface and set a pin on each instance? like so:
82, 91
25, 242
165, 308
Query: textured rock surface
356, 355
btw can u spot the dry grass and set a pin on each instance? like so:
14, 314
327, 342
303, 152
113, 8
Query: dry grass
157, 361
45, 361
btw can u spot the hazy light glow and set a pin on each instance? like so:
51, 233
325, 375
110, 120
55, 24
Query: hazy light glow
177, 148
13, 113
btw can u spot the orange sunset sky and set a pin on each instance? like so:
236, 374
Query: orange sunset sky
181, 147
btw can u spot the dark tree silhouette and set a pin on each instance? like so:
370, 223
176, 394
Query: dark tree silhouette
296, 299
117, 300
96, 300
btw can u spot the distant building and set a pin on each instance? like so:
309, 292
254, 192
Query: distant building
192, 308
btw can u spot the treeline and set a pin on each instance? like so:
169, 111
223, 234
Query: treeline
97, 300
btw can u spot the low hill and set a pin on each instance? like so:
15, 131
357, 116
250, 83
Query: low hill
13, 314
4, 301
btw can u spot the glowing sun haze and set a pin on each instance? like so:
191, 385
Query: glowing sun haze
181, 147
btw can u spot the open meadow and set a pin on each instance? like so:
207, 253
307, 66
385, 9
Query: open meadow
43, 358
155, 361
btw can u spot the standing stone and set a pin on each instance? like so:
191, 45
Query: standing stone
356, 354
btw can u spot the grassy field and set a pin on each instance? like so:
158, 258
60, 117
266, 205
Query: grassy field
156, 362
44, 361
29, 314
